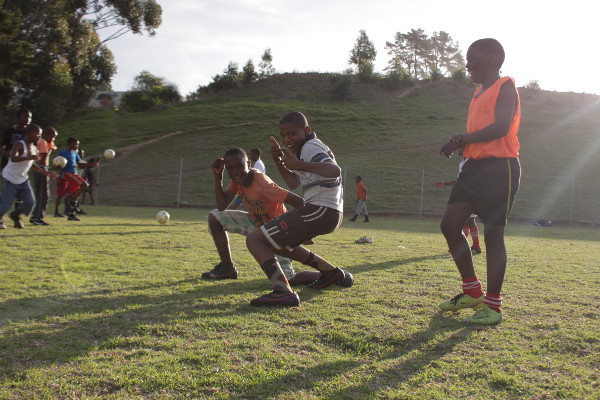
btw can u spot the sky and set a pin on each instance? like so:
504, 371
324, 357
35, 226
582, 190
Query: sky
547, 41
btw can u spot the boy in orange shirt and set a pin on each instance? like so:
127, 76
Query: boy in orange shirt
488, 182
263, 200
361, 200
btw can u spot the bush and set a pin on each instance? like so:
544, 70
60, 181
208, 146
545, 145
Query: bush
342, 87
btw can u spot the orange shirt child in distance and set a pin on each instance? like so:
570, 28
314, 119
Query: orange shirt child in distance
361, 200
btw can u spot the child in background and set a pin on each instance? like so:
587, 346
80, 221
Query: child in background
487, 183
361, 200
308, 162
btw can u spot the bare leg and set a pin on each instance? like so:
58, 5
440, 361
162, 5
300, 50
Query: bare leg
220, 238
452, 224
495, 256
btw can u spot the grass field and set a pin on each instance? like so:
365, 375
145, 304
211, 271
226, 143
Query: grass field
112, 307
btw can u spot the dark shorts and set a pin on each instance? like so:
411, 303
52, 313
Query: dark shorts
301, 224
69, 183
490, 184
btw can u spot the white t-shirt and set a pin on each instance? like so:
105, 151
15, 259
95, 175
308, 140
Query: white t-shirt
316, 189
18, 172
259, 166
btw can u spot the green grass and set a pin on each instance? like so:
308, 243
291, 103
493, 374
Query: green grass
390, 140
112, 307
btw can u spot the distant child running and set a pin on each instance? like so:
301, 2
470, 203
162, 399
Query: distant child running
487, 183
361, 200
308, 162
263, 200
15, 175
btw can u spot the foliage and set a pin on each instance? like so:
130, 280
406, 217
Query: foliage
459, 75
265, 66
149, 90
117, 310
36, 36
422, 56
534, 85
363, 53
342, 87
249, 73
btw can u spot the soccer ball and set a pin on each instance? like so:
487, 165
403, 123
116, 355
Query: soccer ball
59, 162
109, 153
162, 217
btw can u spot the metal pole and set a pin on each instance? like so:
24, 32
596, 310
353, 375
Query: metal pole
572, 198
180, 177
97, 181
422, 189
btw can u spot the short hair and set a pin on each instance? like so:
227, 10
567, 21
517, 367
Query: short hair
491, 47
48, 130
22, 111
32, 127
358, 177
235, 151
256, 151
296, 118
72, 139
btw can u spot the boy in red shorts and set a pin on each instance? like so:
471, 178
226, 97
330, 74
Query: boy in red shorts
487, 183
70, 184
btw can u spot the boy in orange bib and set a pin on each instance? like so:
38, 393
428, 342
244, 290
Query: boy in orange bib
488, 182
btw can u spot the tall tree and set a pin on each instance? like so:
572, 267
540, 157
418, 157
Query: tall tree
265, 66
445, 56
36, 36
363, 51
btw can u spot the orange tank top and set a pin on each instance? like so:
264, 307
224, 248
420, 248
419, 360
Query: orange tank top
481, 114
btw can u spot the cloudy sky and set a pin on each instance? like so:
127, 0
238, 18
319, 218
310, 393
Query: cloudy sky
548, 41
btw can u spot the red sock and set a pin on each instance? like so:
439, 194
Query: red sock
475, 237
493, 301
472, 287
466, 230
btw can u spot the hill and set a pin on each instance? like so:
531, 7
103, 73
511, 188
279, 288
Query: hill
391, 138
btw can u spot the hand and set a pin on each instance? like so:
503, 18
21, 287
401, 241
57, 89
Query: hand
52, 175
281, 154
439, 184
449, 148
218, 166
458, 138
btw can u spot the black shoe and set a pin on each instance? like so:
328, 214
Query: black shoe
221, 272
16, 219
275, 298
475, 251
38, 222
353, 219
366, 218
79, 211
328, 278
58, 215
347, 281
72, 217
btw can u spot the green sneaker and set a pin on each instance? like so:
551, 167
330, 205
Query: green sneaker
485, 316
461, 301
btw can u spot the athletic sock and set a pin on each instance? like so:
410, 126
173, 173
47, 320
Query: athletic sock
493, 301
272, 269
466, 230
472, 287
475, 237
318, 263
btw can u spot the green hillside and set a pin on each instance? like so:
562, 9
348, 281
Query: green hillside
390, 138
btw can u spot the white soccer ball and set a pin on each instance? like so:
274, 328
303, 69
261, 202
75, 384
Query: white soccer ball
162, 217
59, 162
109, 153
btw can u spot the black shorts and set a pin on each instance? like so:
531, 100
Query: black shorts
490, 184
301, 224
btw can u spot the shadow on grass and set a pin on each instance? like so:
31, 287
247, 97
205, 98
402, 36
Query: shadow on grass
409, 357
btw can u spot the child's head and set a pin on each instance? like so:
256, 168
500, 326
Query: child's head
294, 130
254, 155
484, 57
23, 116
72, 143
358, 179
237, 165
33, 133
49, 134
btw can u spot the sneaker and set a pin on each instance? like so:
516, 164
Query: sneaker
72, 217
38, 222
475, 251
277, 297
347, 281
328, 278
221, 272
16, 219
78, 210
461, 301
485, 316
58, 215
364, 239
2, 226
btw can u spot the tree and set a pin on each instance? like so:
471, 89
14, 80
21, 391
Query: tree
249, 74
38, 35
265, 66
363, 51
149, 90
445, 56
